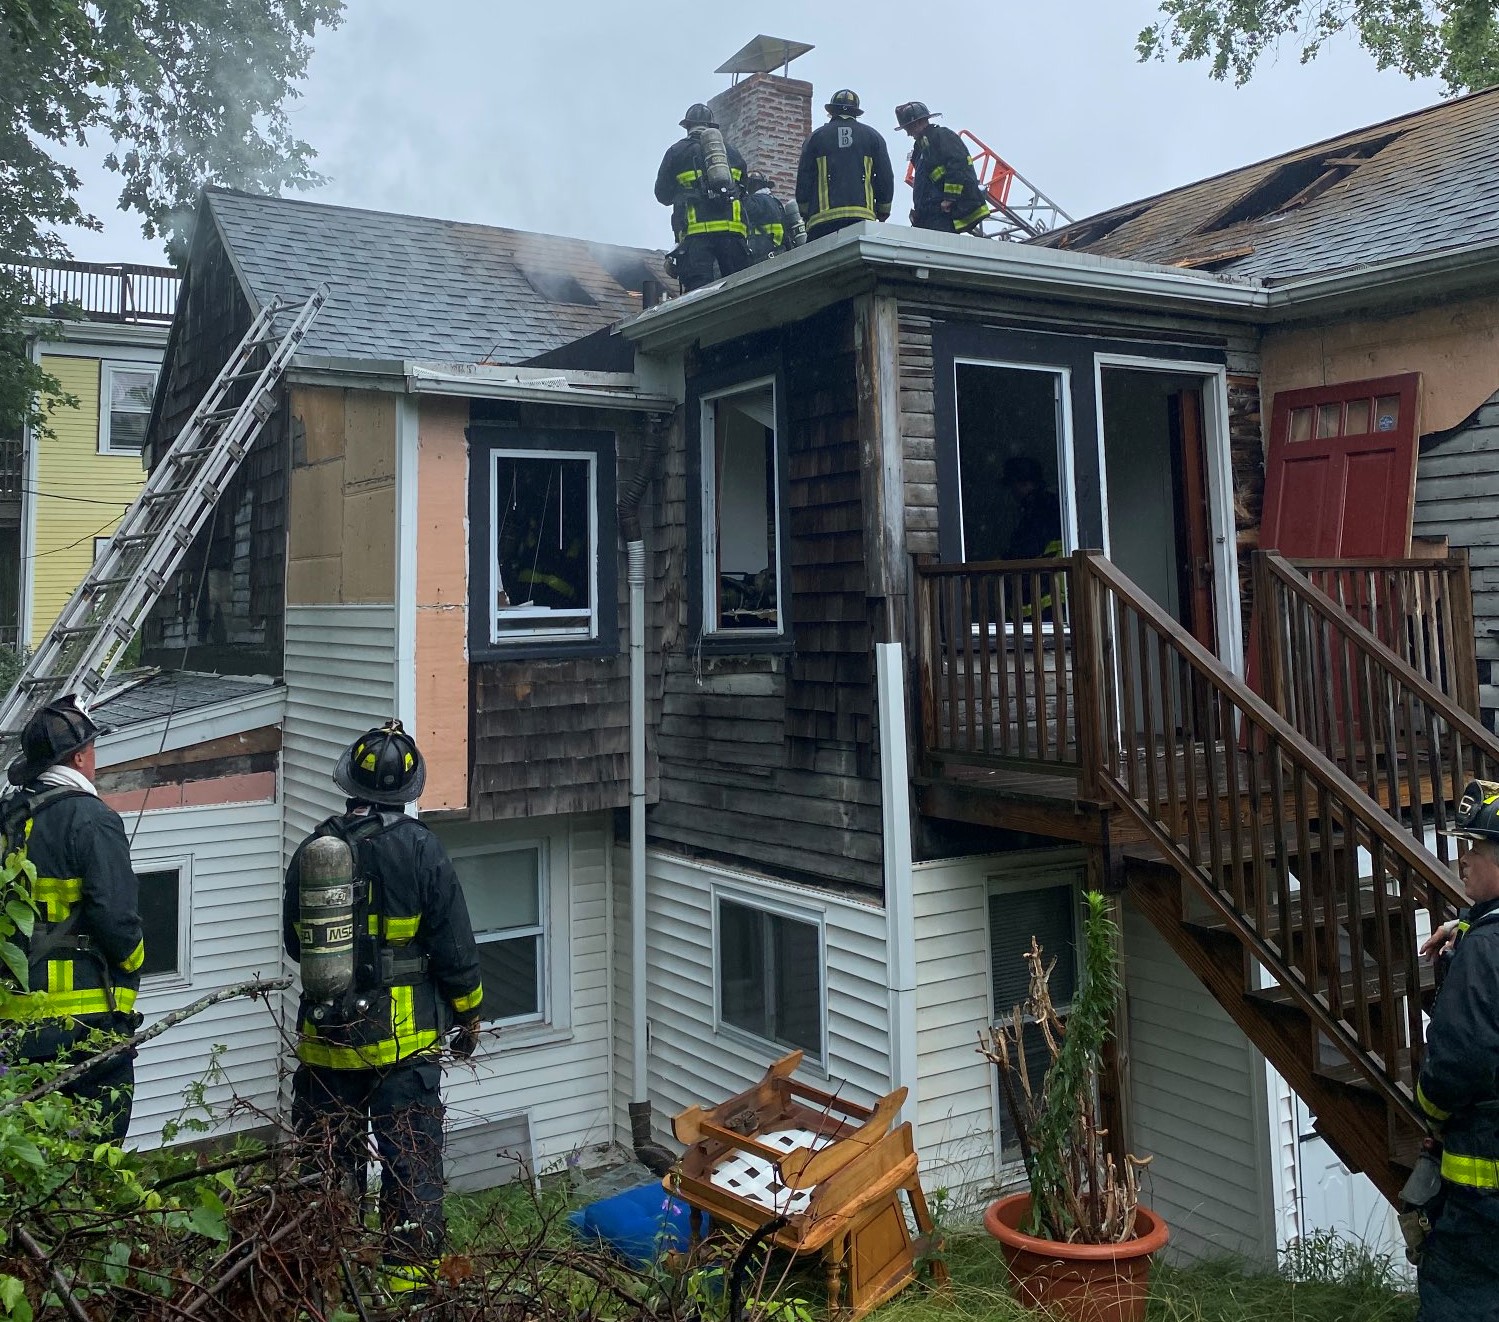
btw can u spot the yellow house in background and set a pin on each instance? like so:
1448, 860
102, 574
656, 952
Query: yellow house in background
61, 496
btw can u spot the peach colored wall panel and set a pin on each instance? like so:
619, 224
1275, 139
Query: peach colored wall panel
442, 674
1455, 347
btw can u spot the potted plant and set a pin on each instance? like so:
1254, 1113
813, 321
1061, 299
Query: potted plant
1078, 1242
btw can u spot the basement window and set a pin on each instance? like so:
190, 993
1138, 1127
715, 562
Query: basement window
1298, 182
770, 982
742, 579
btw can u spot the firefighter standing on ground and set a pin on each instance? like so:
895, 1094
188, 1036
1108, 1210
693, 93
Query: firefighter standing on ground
944, 185
374, 1057
844, 175
708, 221
1459, 1085
85, 950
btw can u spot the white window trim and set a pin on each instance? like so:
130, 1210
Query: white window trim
707, 435
499, 637
748, 899
555, 1021
1026, 872
106, 373
183, 977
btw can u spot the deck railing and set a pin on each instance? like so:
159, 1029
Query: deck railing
112, 291
1373, 665
12, 469
995, 657
1312, 875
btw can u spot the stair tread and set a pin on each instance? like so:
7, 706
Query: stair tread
1282, 995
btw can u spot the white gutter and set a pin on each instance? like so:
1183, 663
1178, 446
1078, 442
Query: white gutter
900, 901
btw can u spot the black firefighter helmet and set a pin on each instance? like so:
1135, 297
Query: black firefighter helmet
1478, 812
698, 116
382, 766
844, 102
912, 112
53, 735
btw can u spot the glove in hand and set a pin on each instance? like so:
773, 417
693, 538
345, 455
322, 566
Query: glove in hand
465, 1040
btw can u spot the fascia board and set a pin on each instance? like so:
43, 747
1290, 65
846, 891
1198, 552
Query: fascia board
198, 725
534, 385
1468, 270
102, 336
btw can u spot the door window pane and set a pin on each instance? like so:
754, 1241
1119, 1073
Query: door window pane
1009, 436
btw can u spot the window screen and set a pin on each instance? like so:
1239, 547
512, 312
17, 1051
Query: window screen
161, 913
1050, 914
506, 899
770, 976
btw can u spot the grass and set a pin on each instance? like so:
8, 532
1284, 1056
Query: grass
1324, 1279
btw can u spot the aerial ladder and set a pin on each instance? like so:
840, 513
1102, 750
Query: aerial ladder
133, 570
1021, 210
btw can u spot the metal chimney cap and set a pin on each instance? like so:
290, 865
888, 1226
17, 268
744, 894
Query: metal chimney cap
763, 55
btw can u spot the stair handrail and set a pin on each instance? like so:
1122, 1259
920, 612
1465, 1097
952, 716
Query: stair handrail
1273, 570
1094, 641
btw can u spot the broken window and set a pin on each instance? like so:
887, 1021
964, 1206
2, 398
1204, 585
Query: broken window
545, 544
741, 514
770, 975
127, 394
1010, 429
506, 894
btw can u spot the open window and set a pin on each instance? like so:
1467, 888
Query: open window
126, 391
166, 912
1010, 439
742, 577
541, 542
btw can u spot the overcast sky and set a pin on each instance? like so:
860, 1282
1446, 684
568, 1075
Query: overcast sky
554, 117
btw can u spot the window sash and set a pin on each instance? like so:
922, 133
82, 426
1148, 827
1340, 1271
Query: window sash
529, 621
711, 506
536, 932
163, 920
118, 418
760, 1001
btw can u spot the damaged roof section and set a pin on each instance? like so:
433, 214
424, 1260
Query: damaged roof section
1418, 184
410, 287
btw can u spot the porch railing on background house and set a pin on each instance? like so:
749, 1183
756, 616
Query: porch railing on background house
996, 663
1374, 664
12, 469
103, 291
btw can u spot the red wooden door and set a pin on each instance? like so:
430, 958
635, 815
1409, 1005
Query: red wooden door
1340, 470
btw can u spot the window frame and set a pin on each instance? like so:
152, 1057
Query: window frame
490, 441
1052, 870
545, 1017
106, 380
703, 390
182, 976
775, 908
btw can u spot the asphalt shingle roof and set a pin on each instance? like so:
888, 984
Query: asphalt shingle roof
170, 693
407, 287
1435, 186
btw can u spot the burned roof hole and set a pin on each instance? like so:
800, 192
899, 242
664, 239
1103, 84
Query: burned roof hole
1100, 227
1298, 182
557, 286
628, 270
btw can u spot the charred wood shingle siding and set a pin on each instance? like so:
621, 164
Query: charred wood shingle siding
552, 735
767, 756
224, 609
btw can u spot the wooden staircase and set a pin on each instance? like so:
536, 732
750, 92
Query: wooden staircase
1278, 843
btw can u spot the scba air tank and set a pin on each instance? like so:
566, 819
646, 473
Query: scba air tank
325, 902
796, 227
717, 177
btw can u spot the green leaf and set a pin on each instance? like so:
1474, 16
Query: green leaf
15, 961
208, 1217
22, 915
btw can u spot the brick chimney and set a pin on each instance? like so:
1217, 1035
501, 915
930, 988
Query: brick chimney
768, 116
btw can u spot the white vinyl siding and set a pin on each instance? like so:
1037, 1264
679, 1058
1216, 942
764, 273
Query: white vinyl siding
234, 853
1198, 1102
558, 1073
688, 1061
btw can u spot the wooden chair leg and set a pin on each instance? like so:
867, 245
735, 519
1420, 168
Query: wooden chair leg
834, 1255
926, 1226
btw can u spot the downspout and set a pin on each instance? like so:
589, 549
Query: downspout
652, 1155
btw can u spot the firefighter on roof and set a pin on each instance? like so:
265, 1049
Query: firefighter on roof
85, 950
944, 186
844, 175
701, 179
765, 218
374, 914
1459, 1086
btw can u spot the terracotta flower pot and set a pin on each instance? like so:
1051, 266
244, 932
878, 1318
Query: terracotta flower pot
1084, 1282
